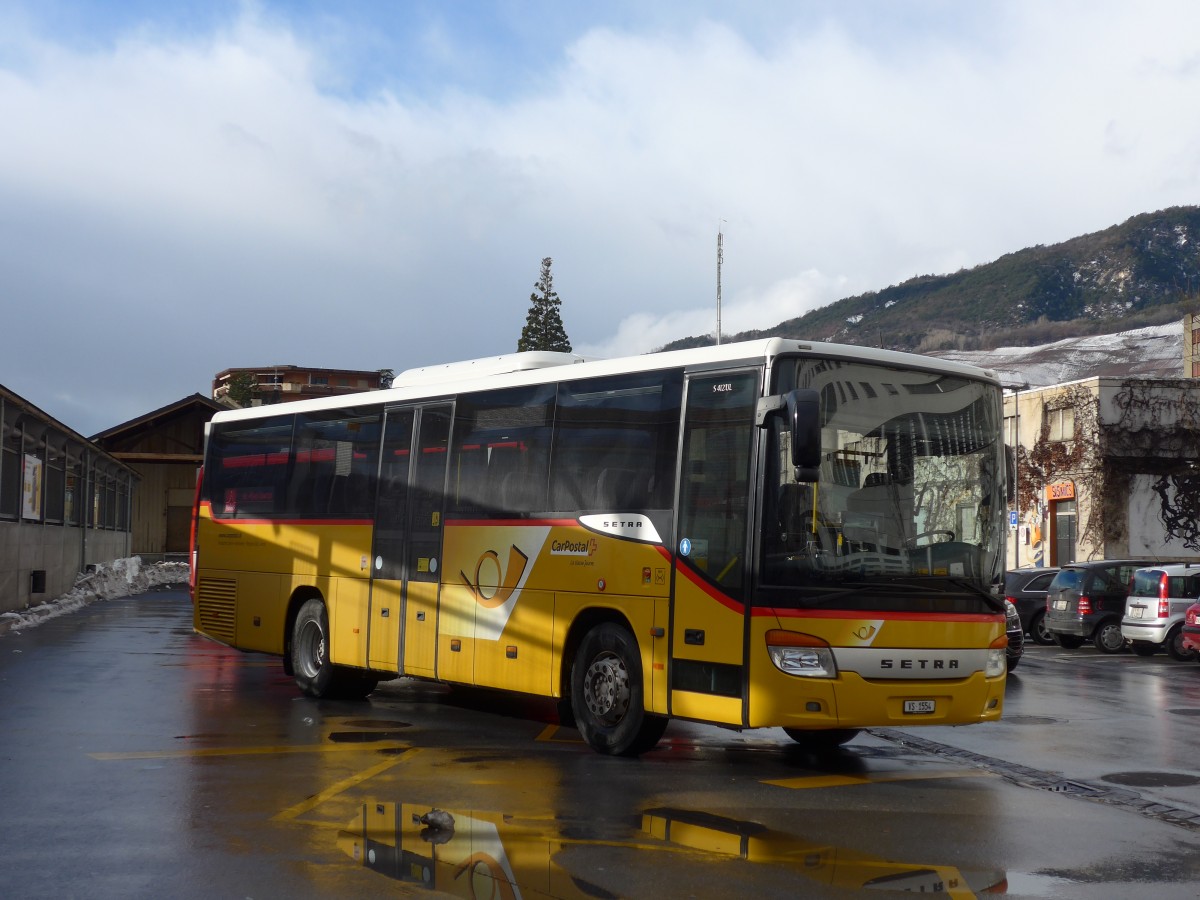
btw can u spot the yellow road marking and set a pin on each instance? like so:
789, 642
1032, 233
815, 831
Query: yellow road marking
820, 781
249, 751
345, 784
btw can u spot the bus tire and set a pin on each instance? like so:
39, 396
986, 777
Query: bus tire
310, 650
314, 673
607, 695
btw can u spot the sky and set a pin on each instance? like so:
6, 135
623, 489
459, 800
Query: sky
192, 186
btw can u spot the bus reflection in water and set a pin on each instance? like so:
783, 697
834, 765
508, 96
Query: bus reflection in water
763, 534
487, 854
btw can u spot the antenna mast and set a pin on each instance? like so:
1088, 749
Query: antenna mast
720, 259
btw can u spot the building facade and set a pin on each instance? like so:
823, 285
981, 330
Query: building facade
1105, 467
165, 448
65, 504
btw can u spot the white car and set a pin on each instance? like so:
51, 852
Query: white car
1154, 610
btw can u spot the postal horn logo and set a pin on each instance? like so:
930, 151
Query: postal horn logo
494, 584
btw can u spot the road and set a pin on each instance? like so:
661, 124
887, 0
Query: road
138, 759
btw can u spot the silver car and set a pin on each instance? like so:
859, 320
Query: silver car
1158, 600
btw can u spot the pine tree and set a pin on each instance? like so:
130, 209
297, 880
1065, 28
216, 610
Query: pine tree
543, 325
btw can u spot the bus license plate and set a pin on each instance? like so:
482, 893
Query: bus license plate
919, 707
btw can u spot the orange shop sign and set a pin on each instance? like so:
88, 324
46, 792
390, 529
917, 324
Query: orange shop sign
1061, 490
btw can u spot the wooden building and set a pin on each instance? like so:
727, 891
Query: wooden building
165, 448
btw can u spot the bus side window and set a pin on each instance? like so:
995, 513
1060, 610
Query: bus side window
335, 453
251, 472
615, 440
500, 451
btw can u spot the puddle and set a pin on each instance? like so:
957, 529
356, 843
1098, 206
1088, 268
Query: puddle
476, 853
1151, 779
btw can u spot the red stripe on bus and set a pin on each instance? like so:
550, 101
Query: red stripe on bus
724, 599
510, 523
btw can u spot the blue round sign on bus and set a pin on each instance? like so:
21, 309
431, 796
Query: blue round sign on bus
685, 547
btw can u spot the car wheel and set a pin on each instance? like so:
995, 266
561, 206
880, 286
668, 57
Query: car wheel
1068, 641
1174, 645
1108, 637
1012, 662
1038, 631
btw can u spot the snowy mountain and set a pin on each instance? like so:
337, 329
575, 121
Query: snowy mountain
1155, 351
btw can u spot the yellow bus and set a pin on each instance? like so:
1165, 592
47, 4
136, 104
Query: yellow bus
770, 533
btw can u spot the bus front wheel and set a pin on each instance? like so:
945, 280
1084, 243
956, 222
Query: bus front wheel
315, 674
607, 694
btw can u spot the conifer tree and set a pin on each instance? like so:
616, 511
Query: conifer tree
543, 325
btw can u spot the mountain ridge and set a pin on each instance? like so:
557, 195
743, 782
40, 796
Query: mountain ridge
1143, 272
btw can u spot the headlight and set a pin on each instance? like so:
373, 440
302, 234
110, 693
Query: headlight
801, 654
997, 663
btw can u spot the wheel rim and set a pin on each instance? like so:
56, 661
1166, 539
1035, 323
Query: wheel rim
1040, 633
606, 689
1111, 637
312, 648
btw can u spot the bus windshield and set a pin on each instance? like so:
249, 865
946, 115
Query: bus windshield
907, 511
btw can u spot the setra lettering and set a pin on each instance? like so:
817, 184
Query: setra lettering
918, 663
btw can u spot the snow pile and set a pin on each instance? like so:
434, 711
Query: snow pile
120, 578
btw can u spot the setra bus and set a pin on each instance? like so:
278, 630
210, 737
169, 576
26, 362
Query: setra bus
769, 533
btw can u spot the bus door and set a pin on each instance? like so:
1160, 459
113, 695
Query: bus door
709, 624
408, 539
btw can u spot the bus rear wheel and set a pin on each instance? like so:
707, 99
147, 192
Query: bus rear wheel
314, 673
607, 695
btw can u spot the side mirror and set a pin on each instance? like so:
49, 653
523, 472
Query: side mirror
802, 409
804, 422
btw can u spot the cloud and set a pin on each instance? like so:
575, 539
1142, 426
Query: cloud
173, 203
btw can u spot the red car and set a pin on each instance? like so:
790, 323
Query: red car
1191, 628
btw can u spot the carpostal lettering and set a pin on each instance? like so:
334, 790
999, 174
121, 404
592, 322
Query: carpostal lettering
573, 548
918, 664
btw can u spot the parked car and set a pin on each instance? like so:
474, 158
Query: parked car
1026, 588
1086, 601
1191, 629
1016, 634
1159, 598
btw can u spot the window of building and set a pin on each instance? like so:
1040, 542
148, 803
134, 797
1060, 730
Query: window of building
1010, 430
10, 474
55, 474
1062, 424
